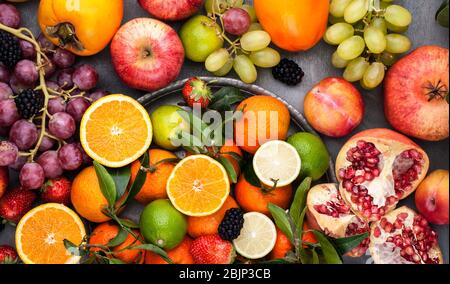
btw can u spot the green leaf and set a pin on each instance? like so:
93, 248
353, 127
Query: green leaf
281, 218
229, 168
328, 250
140, 179
159, 251
442, 14
225, 98
315, 257
275, 261
299, 202
250, 175
107, 184
345, 245
305, 258
128, 223
118, 239
299, 225
115, 261
72, 248
121, 177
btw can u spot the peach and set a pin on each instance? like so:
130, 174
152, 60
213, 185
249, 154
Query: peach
334, 107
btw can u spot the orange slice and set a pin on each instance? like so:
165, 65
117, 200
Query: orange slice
40, 235
198, 186
116, 130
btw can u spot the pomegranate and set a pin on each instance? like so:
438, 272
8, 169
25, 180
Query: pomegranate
377, 168
327, 212
404, 237
415, 94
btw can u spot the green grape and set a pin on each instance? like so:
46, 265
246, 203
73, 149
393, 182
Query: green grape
380, 24
251, 11
225, 68
255, 40
356, 11
235, 3
219, 7
351, 48
337, 61
333, 20
397, 43
337, 33
245, 69
388, 59
255, 27
265, 58
355, 69
396, 29
337, 7
373, 76
217, 60
398, 16
375, 40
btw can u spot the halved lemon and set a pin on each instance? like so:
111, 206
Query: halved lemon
116, 130
198, 186
258, 236
40, 235
277, 161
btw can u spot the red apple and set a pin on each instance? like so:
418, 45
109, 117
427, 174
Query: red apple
147, 54
171, 10
334, 107
432, 197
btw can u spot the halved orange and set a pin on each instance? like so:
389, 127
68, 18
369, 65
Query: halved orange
116, 130
198, 186
40, 235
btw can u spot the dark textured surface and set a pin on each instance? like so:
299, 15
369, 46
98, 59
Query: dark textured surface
316, 65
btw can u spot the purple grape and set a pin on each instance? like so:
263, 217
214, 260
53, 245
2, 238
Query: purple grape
26, 72
4, 131
63, 58
65, 79
28, 49
31, 176
17, 166
62, 125
70, 157
236, 21
77, 107
98, 95
56, 105
17, 86
46, 45
86, 159
9, 16
8, 113
5, 92
24, 134
85, 77
49, 68
52, 85
47, 143
8, 153
50, 163
5, 76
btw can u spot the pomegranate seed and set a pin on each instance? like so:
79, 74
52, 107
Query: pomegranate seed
398, 242
358, 179
348, 186
374, 210
423, 223
417, 229
361, 144
366, 205
376, 172
403, 216
341, 173
374, 160
416, 258
354, 199
390, 239
389, 227
381, 211
409, 250
414, 154
398, 224
369, 176
377, 232
383, 223
367, 213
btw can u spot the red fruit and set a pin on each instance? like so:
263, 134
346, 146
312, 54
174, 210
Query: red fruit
404, 237
57, 191
4, 178
171, 10
432, 197
16, 203
415, 91
377, 168
327, 212
8, 255
197, 91
211, 249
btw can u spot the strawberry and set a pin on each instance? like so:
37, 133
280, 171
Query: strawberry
8, 255
197, 91
16, 203
3, 180
211, 249
57, 191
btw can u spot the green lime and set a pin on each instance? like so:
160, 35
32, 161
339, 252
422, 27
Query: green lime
162, 225
167, 123
313, 152
442, 14
200, 38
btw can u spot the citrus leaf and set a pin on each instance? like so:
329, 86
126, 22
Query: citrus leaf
281, 218
442, 14
107, 184
250, 175
225, 98
345, 245
118, 239
140, 179
328, 250
275, 261
229, 168
121, 177
115, 261
129, 224
304, 257
299, 202
299, 225
315, 257
159, 251
72, 248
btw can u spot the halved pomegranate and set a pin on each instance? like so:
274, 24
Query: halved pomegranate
327, 212
404, 237
377, 168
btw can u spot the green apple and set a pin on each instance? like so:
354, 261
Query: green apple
167, 123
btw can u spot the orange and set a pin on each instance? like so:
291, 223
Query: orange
40, 235
282, 246
230, 147
252, 198
116, 130
308, 237
209, 225
198, 186
156, 181
260, 116
105, 232
179, 255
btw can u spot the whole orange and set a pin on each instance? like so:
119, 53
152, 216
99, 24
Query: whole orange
308, 237
155, 183
230, 147
263, 118
252, 198
282, 246
179, 255
208, 225
105, 232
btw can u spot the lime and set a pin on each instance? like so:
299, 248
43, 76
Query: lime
313, 152
162, 225
168, 123
200, 38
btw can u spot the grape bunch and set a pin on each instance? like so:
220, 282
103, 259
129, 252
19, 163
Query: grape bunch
369, 37
43, 97
248, 44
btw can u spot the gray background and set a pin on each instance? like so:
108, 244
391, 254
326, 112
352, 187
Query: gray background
316, 65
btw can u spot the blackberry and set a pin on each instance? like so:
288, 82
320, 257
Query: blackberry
231, 225
29, 103
10, 52
288, 72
